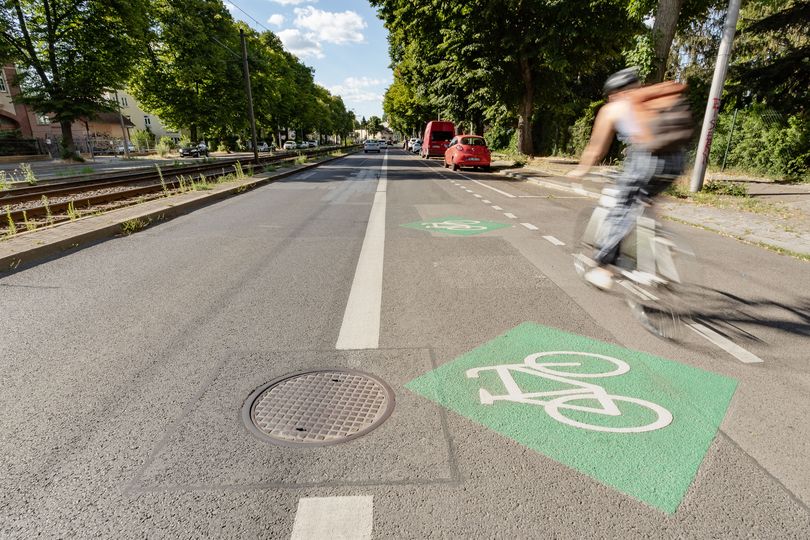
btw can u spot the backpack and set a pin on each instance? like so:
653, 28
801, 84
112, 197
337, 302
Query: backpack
664, 116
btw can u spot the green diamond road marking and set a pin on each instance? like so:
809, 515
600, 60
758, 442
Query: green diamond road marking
456, 225
645, 436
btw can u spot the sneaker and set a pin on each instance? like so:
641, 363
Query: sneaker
599, 277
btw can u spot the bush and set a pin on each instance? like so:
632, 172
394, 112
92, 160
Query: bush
164, 146
763, 143
726, 188
223, 147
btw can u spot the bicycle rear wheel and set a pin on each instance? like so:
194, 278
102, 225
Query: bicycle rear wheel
663, 300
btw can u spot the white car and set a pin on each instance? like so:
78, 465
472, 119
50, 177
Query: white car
290, 145
371, 146
264, 147
416, 146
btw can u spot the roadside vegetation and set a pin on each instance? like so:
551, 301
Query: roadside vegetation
177, 57
534, 89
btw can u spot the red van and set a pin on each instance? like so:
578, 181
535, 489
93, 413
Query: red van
437, 138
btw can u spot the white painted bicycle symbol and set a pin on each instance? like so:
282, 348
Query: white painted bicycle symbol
606, 403
456, 225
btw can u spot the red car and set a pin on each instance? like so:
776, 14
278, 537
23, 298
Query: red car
467, 151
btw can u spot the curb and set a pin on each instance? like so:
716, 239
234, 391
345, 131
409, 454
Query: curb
571, 187
110, 228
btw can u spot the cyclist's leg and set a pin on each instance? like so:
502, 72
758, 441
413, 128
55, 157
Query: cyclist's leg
639, 168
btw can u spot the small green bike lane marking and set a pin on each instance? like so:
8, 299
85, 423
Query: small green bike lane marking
631, 420
456, 225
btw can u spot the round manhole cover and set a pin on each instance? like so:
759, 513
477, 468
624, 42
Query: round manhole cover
317, 408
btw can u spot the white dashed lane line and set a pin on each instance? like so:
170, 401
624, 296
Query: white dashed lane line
334, 517
529, 226
554, 240
486, 201
730, 347
505, 194
496, 207
510, 215
477, 196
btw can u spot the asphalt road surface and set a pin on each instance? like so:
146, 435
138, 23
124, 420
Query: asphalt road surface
525, 403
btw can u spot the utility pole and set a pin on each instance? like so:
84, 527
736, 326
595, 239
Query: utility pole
249, 97
713, 105
123, 128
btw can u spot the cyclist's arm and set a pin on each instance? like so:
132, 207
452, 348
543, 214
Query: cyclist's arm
598, 146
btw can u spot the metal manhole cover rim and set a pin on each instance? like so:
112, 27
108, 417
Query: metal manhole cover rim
247, 408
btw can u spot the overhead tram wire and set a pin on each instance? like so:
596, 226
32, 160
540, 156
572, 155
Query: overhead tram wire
249, 15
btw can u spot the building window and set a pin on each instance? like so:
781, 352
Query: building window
146, 120
3, 86
43, 119
124, 102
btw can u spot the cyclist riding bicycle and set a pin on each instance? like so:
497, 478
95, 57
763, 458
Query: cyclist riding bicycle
648, 168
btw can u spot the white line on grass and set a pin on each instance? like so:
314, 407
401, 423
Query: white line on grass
361, 320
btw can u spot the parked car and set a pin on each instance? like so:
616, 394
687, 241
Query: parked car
264, 147
416, 146
409, 144
194, 150
120, 149
290, 145
312, 144
467, 151
437, 138
371, 146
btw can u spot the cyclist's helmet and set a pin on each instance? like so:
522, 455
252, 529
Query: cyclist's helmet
620, 80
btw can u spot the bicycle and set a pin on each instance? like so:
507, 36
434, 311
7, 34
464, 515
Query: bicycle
605, 403
655, 268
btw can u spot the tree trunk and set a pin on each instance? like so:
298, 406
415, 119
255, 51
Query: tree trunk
666, 22
69, 149
525, 109
193, 132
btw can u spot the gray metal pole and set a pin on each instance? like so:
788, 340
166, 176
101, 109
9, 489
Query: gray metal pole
249, 97
713, 105
123, 128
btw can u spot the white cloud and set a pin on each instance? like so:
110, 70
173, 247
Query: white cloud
276, 19
360, 89
300, 44
294, 2
331, 27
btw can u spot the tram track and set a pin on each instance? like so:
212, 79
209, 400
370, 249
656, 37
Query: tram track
63, 200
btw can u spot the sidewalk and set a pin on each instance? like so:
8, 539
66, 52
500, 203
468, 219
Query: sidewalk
781, 223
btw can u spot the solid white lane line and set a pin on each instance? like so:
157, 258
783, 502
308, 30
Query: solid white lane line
509, 215
505, 194
477, 195
334, 517
529, 226
554, 240
496, 207
361, 320
486, 201
727, 345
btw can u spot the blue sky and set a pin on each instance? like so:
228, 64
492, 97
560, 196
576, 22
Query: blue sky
343, 40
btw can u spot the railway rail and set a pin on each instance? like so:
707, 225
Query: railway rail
56, 200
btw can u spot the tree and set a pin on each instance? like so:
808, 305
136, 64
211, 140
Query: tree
772, 64
72, 53
191, 72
